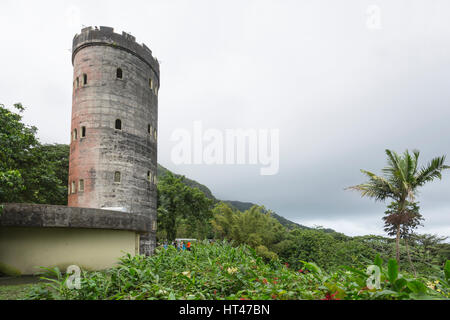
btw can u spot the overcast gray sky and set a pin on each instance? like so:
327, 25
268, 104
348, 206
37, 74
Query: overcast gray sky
340, 92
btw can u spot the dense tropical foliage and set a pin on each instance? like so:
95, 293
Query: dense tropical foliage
181, 206
223, 271
30, 171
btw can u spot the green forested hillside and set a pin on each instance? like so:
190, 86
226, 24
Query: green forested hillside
161, 172
239, 205
243, 206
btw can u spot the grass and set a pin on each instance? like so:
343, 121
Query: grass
15, 292
16, 288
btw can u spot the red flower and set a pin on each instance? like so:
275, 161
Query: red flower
265, 281
274, 282
243, 298
215, 291
274, 296
331, 297
301, 270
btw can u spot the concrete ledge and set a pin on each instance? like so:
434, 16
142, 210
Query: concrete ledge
50, 216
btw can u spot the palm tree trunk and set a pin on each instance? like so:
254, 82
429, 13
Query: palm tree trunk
401, 208
397, 243
409, 258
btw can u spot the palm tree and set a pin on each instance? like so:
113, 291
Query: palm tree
400, 181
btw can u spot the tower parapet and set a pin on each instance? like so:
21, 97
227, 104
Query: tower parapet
90, 36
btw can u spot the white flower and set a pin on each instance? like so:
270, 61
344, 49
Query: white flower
232, 270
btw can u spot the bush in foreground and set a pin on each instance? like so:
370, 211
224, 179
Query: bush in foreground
221, 271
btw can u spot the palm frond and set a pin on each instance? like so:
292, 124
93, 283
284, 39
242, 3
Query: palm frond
410, 166
431, 171
377, 187
416, 154
394, 170
401, 177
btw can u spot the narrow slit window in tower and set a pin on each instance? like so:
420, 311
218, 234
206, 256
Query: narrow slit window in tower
84, 79
118, 124
150, 83
83, 132
73, 186
81, 185
149, 176
74, 134
119, 73
78, 82
117, 177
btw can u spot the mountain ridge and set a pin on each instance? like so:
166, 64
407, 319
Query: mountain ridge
238, 205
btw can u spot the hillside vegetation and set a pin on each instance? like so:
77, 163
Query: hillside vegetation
222, 271
237, 205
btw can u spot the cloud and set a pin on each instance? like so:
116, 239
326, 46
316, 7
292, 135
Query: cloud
339, 93
437, 221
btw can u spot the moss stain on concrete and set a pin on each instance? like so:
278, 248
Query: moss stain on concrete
9, 270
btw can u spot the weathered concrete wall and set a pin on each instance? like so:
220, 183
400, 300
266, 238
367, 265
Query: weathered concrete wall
41, 215
24, 249
97, 105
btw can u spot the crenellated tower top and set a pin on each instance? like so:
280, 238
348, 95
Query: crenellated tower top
94, 36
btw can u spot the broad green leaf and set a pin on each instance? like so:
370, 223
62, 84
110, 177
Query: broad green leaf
385, 293
447, 270
172, 296
420, 296
392, 270
417, 286
400, 284
358, 272
311, 266
378, 261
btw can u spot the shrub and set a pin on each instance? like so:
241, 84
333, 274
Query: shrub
222, 271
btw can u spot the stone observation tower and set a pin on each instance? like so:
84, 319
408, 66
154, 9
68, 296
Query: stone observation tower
113, 149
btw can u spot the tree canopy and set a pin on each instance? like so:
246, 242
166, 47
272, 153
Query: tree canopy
178, 203
30, 171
